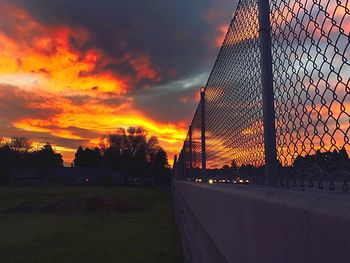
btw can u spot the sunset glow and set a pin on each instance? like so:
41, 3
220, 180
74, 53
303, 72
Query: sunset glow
63, 88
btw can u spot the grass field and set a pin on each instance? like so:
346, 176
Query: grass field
145, 235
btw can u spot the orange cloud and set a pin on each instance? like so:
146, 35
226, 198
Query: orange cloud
99, 119
46, 53
221, 37
41, 61
143, 67
318, 26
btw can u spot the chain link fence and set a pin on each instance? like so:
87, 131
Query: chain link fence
234, 129
311, 76
311, 69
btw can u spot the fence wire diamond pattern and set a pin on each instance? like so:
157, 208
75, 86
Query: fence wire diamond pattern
311, 76
311, 69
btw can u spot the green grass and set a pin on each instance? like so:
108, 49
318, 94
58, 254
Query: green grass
146, 235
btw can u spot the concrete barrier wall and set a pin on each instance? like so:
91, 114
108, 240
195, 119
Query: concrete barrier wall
247, 224
197, 245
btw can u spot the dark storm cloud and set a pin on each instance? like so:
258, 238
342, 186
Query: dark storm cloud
173, 33
178, 37
133, 61
17, 104
176, 101
175, 105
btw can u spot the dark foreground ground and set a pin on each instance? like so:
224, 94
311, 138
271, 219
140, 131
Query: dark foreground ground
144, 232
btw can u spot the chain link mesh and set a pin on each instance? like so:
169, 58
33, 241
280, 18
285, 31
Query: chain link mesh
186, 157
311, 76
191, 157
196, 140
310, 49
234, 129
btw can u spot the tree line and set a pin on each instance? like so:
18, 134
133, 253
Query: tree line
131, 152
328, 161
318, 164
18, 153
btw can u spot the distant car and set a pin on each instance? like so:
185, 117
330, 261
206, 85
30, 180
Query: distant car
241, 181
134, 181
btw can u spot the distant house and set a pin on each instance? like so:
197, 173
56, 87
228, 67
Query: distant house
67, 176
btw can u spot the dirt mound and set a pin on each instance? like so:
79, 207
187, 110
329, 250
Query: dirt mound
66, 206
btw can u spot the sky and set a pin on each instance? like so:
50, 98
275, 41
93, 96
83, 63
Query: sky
72, 71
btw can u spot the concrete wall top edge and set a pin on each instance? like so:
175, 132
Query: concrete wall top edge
336, 205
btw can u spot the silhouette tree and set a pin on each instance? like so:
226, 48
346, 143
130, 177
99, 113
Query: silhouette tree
17, 153
87, 158
46, 157
343, 155
7, 162
226, 167
20, 144
234, 167
132, 152
160, 159
328, 162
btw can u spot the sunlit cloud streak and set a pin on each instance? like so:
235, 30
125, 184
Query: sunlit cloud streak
69, 79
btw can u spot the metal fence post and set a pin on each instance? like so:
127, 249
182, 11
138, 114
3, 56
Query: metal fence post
183, 165
175, 167
267, 93
190, 150
204, 156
